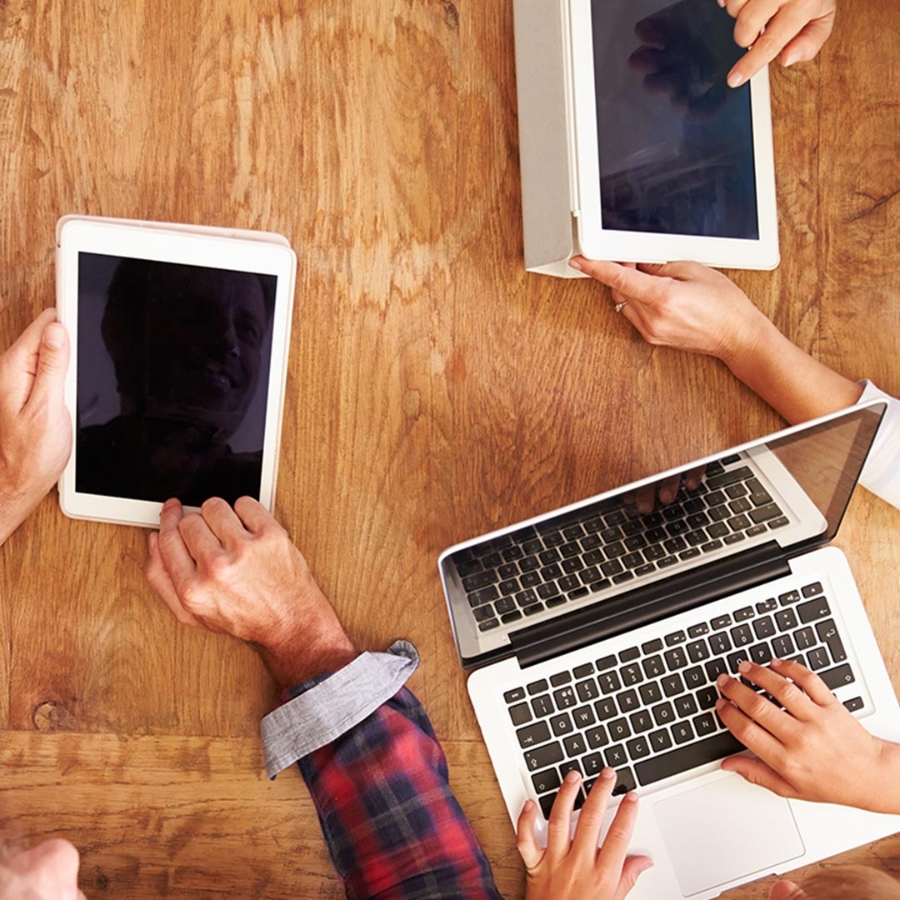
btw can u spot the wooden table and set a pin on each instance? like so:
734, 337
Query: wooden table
436, 390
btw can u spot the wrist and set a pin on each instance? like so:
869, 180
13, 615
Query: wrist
749, 343
883, 794
302, 656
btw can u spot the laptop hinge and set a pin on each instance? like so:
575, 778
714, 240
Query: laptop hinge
643, 605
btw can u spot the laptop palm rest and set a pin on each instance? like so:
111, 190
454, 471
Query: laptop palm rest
726, 830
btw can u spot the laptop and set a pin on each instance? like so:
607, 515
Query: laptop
597, 632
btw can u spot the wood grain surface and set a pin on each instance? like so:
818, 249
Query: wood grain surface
435, 391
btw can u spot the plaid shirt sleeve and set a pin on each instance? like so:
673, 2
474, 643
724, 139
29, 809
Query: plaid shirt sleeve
393, 827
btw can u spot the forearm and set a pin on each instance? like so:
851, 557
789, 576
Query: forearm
796, 385
884, 781
394, 829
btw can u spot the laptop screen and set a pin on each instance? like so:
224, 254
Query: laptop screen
787, 493
675, 142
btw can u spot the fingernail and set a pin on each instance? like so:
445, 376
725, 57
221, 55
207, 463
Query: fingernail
529, 806
721, 3
791, 58
720, 704
575, 264
744, 666
608, 774
735, 79
573, 777
776, 661
631, 797
723, 680
666, 496
54, 336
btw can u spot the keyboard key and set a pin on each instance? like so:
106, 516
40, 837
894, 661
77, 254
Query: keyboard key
537, 687
719, 643
545, 781
479, 580
583, 716
667, 561
554, 601
561, 724
653, 666
717, 514
690, 554
734, 538
514, 695
682, 732
631, 674
675, 658
638, 748
530, 579
565, 698
805, 638
570, 765
761, 654
612, 568
765, 606
677, 637
741, 506
485, 595
817, 658
780, 522
543, 706
587, 690
721, 622
592, 765
615, 755
508, 571
606, 663
813, 610
653, 646
706, 697
520, 714
532, 735
628, 700
714, 668
650, 693
755, 530
663, 714
696, 631
765, 513
509, 587
698, 651
738, 523
574, 745
733, 476
672, 685
686, 705
786, 619
641, 721
560, 678
827, 632
838, 676
619, 730
606, 708
609, 682
741, 635
789, 597
660, 740
811, 590
547, 804
684, 758
741, 615
510, 617
570, 583
712, 545
704, 725
548, 573
529, 564
483, 612
734, 660
597, 737
694, 678
629, 654
854, 704
546, 591
783, 646
526, 598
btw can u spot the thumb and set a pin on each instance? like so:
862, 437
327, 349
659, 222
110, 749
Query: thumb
808, 42
53, 361
631, 871
526, 844
757, 772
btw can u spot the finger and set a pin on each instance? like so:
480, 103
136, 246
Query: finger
526, 843
22, 361
158, 579
757, 772
635, 285
559, 825
615, 846
759, 15
590, 819
223, 522
693, 478
668, 489
789, 695
178, 562
199, 539
645, 499
809, 42
631, 871
679, 270
254, 515
814, 687
53, 362
734, 6
753, 736
766, 47
762, 711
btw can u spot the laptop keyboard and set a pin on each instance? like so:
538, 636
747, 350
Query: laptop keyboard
563, 559
648, 712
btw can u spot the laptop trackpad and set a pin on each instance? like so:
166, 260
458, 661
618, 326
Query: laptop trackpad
725, 830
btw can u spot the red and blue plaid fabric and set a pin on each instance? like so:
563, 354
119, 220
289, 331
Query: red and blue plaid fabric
393, 827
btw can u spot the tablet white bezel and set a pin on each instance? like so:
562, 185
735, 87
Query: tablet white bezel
216, 248
597, 242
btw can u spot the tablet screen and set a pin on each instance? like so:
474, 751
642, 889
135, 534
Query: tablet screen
173, 376
675, 142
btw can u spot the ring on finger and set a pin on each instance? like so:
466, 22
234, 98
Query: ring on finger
621, 306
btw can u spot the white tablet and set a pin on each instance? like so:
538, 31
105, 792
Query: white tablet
180, 339
670, 163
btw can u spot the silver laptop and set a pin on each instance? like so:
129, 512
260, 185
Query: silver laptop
598, 631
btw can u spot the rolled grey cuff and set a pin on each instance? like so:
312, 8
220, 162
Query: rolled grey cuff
332, 707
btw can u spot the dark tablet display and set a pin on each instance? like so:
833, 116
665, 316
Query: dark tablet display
173, 376
675, 142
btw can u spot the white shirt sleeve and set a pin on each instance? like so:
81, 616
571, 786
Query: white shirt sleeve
881, 474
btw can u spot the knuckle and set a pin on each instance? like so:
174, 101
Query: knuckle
219, 567
212, 504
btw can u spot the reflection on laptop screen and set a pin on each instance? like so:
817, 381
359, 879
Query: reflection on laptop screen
675, 142
788, 495
172, 381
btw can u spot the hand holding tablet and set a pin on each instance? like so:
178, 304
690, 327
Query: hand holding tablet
176, 389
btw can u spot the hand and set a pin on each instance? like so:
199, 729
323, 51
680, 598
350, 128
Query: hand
793, 30
813, 749
35, 427
663, 492
236, 571
576, 869
681, 304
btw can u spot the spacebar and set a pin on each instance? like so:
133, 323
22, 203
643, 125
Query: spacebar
717, 747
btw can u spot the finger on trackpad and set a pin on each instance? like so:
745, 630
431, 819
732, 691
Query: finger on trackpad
726, 830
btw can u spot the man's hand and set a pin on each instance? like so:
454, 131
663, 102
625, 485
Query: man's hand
35, 427
576, 868
792, 30
236, 571
813, 749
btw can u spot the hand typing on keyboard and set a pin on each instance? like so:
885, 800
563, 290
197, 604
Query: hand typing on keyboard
812, 748
577, 868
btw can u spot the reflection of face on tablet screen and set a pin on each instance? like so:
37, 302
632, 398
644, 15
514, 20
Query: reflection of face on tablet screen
173, 374
675, 142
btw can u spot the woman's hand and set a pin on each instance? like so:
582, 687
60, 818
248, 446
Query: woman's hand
792, 30
813, 749
577, 868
